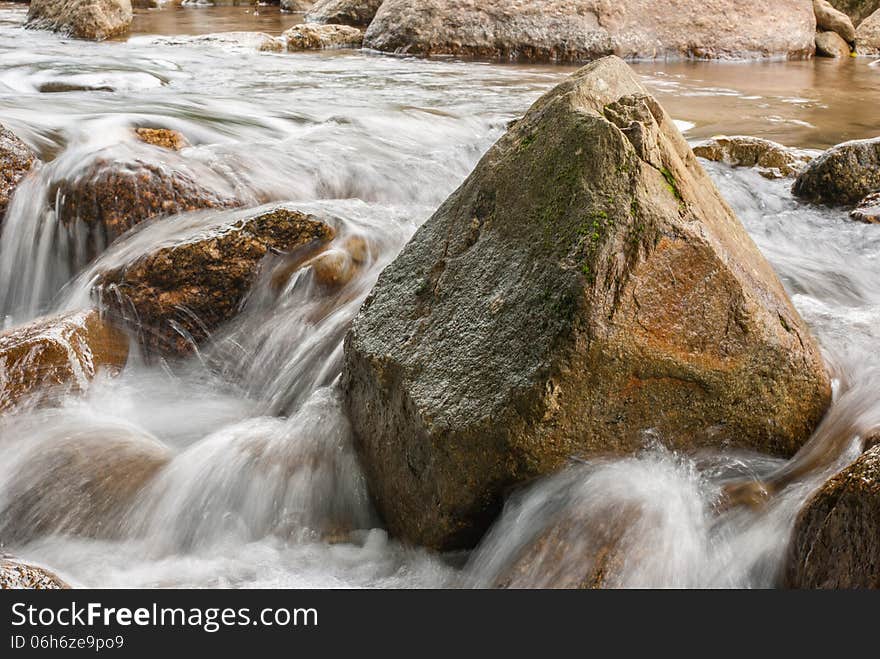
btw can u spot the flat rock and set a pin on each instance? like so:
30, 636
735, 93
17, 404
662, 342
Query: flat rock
772, 160
578, 30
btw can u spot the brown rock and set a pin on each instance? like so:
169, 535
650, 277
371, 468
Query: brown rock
831, 44
857, 10
578, 30
162, 137
176, 296
15, 575
868, 35
16, 160
836, 540
772, 160
842, 175
358, 13
829, 19
83, 19
112, 195
586, 283
59, 351
317, 37
868, 210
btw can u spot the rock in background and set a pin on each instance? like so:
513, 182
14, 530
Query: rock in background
83, 19
585, 284
868, 35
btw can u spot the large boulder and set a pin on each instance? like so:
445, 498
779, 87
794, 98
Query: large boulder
15, 575
585, 284
63, 351
857, 10
176, 296
16, 160
83, 19
572, 30
358, 13
771, 159
868, 35
831, 44
843, 175
836, 540
312, 36
829, 19
118, 191
868, 210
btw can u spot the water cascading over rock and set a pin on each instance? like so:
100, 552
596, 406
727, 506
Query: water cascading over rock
586, 283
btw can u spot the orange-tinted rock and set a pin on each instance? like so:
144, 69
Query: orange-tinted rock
176, 296
16, 160
57, 352
162, 137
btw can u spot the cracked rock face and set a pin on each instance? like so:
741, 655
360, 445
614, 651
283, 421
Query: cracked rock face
836, 541
586, 283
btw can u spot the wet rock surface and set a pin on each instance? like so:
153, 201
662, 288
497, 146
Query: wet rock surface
176, 296
63, 352
15, 575
16, 160
358, 13
836, 540
534, 317
868, 209
314, 36
831, 44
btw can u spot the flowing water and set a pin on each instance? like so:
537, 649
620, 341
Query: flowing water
235, 467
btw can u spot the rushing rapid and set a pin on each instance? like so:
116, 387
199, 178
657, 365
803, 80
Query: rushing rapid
234, 467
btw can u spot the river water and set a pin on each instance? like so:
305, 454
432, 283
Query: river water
249, 477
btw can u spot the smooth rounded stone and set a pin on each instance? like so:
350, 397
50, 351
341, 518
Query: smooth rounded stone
78, 483
836, 539
857, 10
868, 35
830, 44
868, 210
358, 13
772, 160
15, 575
16, 160
577, 30
83, 19
116, 192
585, 284
314, 36
176, 296
164, 138
829, 19
63, 352
842, 175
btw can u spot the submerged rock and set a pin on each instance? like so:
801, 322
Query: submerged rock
585, 284
358, 13
63, 351
112, 194
572, 30
772, 160
176, 296
16, 160
836, 540
15, 575
843, 175
313, 36
868, 210
831, 44
829, 19
83, 19
868, 35
162, 137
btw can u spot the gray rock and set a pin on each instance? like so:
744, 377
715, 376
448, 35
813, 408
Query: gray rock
585, 284
843, 175
772, 160
358, 13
